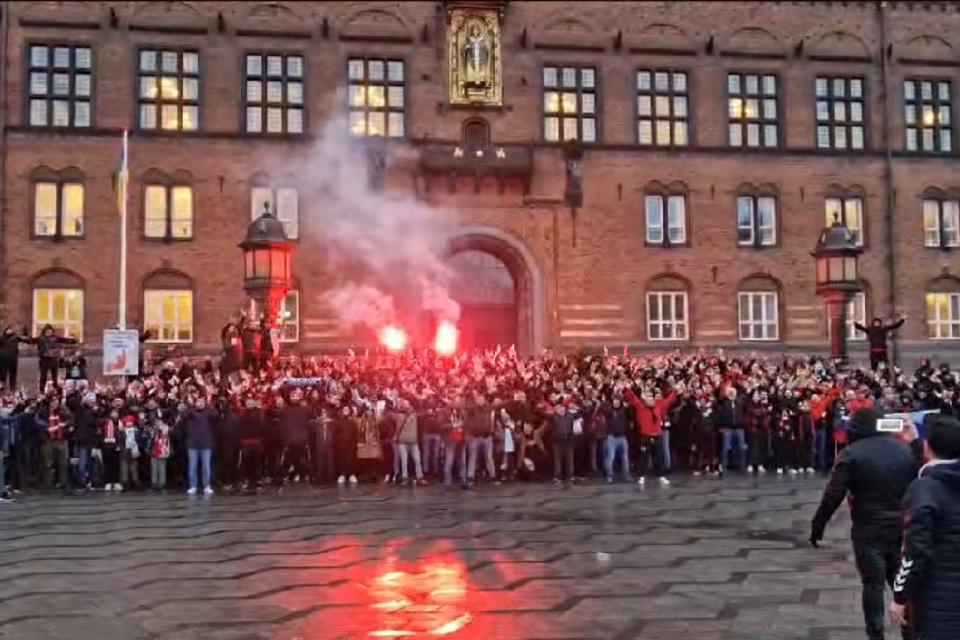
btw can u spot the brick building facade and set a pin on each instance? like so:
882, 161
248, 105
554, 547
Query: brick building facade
717, 138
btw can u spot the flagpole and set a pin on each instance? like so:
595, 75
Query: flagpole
122, 298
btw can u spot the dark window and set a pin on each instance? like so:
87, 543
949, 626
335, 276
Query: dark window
569, 104
839, 105
169, 90
274, 93
941, 223
927, 115
476, 133
377, 97
60, 86
753, 103
663, 108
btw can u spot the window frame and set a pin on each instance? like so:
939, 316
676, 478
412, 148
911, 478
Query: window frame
831, 123
756, 239
942, 243
761, 322
71, 97
386, 83
168, 185
743, 120
858, 302
665, 197
59, 180
295, 293
263, 105
34, 324
671, 94
158, 102
596, 91
659, 295
157, 337
844, 198
919, 103
936, 323
256, 208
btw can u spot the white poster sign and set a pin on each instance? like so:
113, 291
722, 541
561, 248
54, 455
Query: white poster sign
121, 352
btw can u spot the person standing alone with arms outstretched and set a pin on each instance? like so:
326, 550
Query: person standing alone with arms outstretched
877, 337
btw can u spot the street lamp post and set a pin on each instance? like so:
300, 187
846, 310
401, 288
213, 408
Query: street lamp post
266, 266
836, 256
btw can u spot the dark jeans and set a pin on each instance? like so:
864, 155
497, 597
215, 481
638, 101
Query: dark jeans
49, 368
8, 372
876, 358
877, 563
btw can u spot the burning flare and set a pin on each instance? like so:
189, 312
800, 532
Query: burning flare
392, 338
445, 342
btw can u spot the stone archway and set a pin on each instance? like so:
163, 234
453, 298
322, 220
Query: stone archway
499, 284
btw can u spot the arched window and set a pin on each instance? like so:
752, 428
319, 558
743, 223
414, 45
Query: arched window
480, 278
758, 309
168, 306
58, 202
668, 309
476, 132
847, 206
941, 218
943, 309
665, 214
58, 301
757, 216
282, 198
167, 205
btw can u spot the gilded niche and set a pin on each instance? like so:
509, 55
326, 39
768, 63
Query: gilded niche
473, 56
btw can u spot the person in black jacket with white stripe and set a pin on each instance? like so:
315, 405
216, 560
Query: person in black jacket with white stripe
926, 590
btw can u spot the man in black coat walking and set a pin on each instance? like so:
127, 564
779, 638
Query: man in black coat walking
877, 338
926, 592
10, 341
873, 473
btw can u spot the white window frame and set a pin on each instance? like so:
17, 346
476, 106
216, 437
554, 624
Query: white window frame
850, 213
768, 233
935, 235
856, 314
942, 328
274, 94
170, 216
66, 327
59, 213
762, 329
672, 300
668, 212
290, 329
153, 318
284, 205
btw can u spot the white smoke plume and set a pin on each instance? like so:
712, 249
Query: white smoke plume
386, 250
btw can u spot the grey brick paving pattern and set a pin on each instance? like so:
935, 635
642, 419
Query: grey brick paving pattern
703, 559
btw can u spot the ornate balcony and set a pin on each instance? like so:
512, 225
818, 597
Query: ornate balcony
455, 160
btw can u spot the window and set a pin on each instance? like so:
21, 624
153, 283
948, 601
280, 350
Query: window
839, 113
60, 308
856, 314
663, 105
60, 86
927, 115
849, 211
168, 212
941, 223
943, 316
274, 93
666, 213
290, 316
759, 317
752, 110
169, 312
169, 90
377, 97
58, 209
284, 205
569, 104
667, 315
756, 221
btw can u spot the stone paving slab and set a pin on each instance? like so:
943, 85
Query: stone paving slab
703, 559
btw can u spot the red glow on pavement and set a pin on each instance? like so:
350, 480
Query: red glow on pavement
448, 335
392, 338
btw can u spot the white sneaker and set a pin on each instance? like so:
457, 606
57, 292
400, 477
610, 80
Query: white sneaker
118, 487
342, 480
208, 491
696, 474
664, 482
353, 480
761, 469
191, 492
642, 481
793, 472
779, 471
751, 469
809, 469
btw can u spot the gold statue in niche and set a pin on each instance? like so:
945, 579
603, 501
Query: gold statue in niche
473, 44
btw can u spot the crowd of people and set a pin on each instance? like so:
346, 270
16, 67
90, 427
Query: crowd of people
417, 418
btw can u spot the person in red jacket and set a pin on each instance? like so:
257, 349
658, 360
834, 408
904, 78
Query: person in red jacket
650, 411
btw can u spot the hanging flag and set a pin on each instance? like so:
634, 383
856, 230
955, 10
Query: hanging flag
123, 177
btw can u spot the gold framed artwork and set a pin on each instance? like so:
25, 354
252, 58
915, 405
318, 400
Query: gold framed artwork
474, 55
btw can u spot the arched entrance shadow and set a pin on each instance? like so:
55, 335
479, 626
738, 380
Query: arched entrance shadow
530, 302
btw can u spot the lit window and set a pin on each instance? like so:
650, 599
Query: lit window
274, 93
928, 115
290, 317
941, 223
377, 97
58, 209
943, 316
849, 211
169, 90
169, 314
756, 221
283, 203
168, 212
666, 220
60, 86
60, 308
752, 110
667, 315
663, 108
759, 316
839, 107
856, 315
570, 104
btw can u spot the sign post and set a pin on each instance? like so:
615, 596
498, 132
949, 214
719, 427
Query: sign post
121, 352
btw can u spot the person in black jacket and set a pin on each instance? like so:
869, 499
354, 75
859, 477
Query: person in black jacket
877, 338
198, 427
10, 341
926, 590
48, 353
873, 472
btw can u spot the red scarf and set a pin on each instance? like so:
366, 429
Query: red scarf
109, 432
54, 426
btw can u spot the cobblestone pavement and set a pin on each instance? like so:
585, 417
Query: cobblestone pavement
704, 559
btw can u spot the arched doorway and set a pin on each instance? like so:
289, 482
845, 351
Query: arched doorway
487, 293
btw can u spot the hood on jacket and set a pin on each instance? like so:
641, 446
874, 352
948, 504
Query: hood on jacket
863, 423
947, 472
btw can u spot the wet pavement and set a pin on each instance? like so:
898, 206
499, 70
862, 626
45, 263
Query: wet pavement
704, 559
